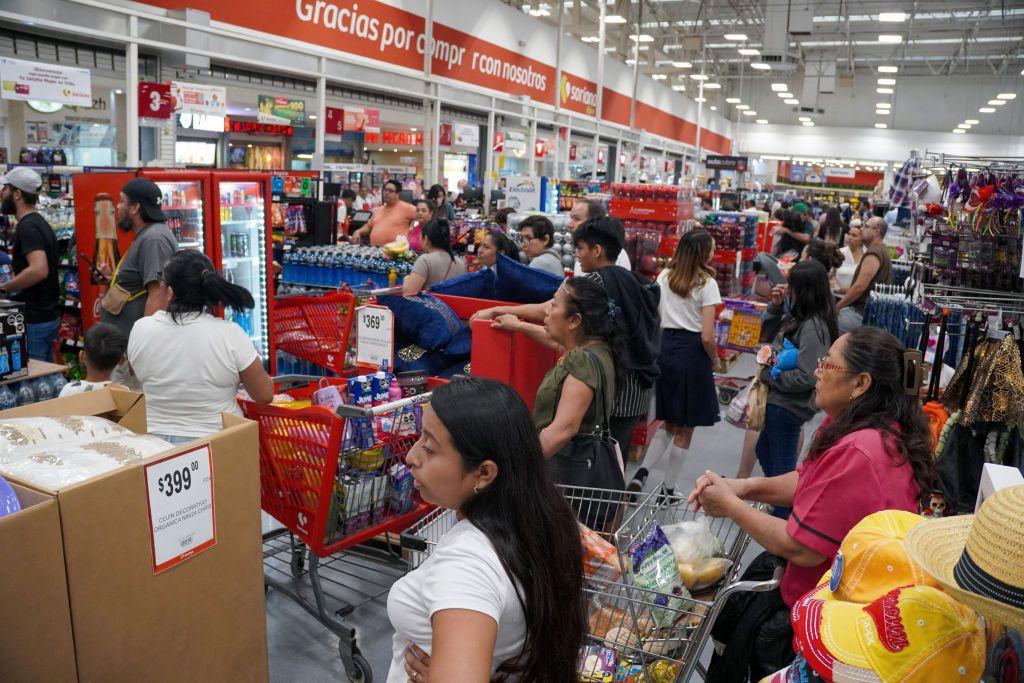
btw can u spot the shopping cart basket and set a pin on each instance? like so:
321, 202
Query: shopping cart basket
315, 328
647, 649
336, 481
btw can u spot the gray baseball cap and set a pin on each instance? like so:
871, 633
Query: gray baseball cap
25, 179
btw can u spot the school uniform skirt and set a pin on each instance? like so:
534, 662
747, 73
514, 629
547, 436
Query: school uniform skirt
686, 394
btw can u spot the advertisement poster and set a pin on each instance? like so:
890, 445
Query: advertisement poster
281, 110
334, 121
834, 172
192, 98
499, 141
23, 80
362, 120
466, 135
155, 100
444, 137
523, 192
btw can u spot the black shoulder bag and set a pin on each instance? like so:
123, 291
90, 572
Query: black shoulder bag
589, 462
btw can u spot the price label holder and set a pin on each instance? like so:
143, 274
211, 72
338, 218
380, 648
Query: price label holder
375, 336
182, 519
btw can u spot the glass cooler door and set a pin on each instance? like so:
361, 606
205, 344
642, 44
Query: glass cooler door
183, 207
244, 253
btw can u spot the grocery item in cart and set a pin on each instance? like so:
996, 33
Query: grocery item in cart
693, 540
703, 573
597, 664
652, 567
9, 502
600, 559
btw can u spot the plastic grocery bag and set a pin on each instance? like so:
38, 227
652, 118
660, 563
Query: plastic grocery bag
693, 540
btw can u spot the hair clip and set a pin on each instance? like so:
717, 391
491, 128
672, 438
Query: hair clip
613, 309
913, 371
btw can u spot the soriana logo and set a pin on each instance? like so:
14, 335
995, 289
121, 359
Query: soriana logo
578, 95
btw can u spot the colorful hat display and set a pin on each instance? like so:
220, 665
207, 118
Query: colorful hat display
979, 559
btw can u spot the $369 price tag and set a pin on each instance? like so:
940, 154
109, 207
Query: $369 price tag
181, 506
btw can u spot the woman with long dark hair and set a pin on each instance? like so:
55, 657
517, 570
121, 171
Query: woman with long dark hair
810, 326
189, 361
501, 595
442, 207
832, 227
872, 453
495, 242
437, 263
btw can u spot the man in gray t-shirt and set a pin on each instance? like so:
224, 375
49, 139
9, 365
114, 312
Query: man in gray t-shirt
138, 211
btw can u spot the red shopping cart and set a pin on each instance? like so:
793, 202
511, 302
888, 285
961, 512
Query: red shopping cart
315, 328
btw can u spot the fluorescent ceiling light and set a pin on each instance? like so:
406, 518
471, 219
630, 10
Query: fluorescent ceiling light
713, 86
590, 39
732, 100
883, 105
890, 38
882, 112
886, 81
642, 38
997, 103
659, 77
761, 66
881, 125
888, 69
682, 65
700, 99
780, 87
965, 126
892, 17
614, 19
714, 108
741, 107
679, 88
698, 77
792, 101
761, 121
749, 52
785, 95
884, 91
809, 124
804, 118
959, 130
987, 110
735, 36
973, 122
1007, 95
749, 112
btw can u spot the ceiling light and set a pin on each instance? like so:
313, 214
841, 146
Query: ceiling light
884, 91
682, 65
119, 92
804, 118
714, 108
591, 39
890, 38
892, 17
882, 112
698, 77
413, 130
642, 38
614, 19
809, 124
881, 125
784, 95
700, 99
973, 122
761, 66
883, 105
741, 107
748, 52
888, 69
886, 81
965, 126
761, 121
1007, 95
659, 77
732, 100
997, 103
987, 110
735, 36
749, 112
713, 86
312, 117
959, 130
679, 88
792, 101
780, 87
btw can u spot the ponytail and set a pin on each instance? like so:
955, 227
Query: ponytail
199, 288
438, 233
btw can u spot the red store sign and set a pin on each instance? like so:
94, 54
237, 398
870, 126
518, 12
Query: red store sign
155, 100
334, 121
255, 127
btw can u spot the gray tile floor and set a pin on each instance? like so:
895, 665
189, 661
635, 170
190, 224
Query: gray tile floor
301, 649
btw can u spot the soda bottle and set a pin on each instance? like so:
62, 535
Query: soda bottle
7, 398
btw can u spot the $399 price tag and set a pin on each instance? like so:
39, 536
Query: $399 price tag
181, 506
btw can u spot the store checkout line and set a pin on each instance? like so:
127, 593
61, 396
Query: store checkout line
593, 518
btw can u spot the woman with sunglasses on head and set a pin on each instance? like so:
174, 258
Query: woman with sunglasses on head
501, 595
872, 453
189, 361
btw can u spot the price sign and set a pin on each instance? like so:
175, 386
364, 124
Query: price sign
181, 507
375, 335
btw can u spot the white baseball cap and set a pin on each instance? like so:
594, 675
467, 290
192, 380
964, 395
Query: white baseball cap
25, 179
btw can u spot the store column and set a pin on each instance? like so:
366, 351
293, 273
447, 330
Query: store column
131, 99
489, 172
321, 118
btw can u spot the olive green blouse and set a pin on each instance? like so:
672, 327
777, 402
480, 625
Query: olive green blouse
578, 364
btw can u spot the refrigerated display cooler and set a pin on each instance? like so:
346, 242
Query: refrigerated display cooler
186, 205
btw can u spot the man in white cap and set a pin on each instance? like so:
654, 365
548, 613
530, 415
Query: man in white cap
35, 261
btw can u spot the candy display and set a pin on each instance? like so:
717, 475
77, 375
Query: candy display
735, 248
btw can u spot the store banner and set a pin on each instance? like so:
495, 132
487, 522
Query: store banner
334, 121
499, 141
577, 94
444, 136
572, 152
361, 120
155, 100
402, 138
466, 135
523, 193
193, 98
726, 163
833, 172
22, 80
280, 110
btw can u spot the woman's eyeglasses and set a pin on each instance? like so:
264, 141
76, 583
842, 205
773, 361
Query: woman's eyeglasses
825, 364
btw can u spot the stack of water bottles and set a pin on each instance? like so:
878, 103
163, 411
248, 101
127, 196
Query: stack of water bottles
31, 391
345, 264
287, 364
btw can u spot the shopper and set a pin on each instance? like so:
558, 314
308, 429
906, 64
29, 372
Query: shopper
437, 263
359, 203
810, 326
501, 594
825, 252
686, 395
852, 254
875, 267
538, 236
191, 362
346, 207
830, 227
442, 207
501, 217
390, 221
134, 290
493, 243
584, 210
35, 281
873, 453
105, 349
424, 212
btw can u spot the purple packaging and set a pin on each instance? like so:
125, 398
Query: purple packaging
360, 390
597, 664
400, 487
381, 385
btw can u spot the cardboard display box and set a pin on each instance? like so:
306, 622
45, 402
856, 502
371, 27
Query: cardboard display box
33, 594
201, 620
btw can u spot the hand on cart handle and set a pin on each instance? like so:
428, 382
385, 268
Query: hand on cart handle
417, 663
714, 493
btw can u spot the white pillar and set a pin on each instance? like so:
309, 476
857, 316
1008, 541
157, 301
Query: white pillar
431, 129
489, 165
131, 96
321, 118
532, 151
597, 146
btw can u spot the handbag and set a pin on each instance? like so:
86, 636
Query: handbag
589, 462
117, 297
757, 402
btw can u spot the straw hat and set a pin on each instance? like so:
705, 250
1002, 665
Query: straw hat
979, 559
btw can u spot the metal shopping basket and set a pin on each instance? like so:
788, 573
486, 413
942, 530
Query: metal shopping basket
648, 649
328, 477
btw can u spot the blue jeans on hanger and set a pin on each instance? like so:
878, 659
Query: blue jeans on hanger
776, 447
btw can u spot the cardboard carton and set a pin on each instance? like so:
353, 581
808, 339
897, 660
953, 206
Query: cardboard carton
201, 620
35, 633
13, 341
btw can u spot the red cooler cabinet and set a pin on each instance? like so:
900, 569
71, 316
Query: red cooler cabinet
186, 205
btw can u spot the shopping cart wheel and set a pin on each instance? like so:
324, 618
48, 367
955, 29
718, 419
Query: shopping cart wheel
725, 396
360, 671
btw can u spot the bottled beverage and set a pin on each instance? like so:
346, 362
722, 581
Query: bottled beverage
58, 383
25, 395
7, 398
43, 389
106, 254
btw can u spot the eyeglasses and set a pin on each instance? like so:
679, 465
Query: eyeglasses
825, 364
528, 238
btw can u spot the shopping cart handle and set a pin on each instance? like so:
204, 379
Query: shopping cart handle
291, 381
752, 586
412, 542
373, 411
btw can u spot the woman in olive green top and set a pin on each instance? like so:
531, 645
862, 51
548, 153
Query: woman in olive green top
579, 321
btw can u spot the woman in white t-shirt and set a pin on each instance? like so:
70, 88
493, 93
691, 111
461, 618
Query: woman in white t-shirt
502, 591
686, 397
189, 362
852, 253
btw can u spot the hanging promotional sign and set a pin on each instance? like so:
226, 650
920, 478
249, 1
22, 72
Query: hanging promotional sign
466, 135
22, 80
334, 121
540, 149
523, 192
833, 172
155, 100
444, 135
361, 120
499, 141
726, 163
193, 98
280, 110
572, 152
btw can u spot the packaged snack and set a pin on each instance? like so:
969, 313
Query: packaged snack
703, 573
652, 567
597, 664
693, 541
380, 384
360, 390
629, 672
600, 560
662, 671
